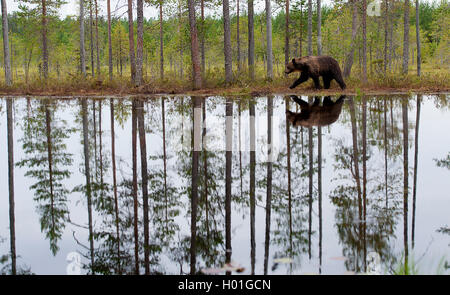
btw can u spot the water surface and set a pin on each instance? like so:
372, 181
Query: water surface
306, 199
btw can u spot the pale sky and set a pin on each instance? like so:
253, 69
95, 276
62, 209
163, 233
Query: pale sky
119, 7
72, 7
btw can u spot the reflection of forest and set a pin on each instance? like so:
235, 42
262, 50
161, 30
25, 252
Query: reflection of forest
178, 205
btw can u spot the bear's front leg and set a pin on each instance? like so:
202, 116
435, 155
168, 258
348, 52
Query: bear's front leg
303, 77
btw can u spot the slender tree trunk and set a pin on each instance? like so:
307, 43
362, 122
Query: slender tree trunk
12, 223
82, 49
405, 38
181, 40
238, 40
196, 68
385, 153
6, 57
310, 187
228, 180
405, 180
350, 55
140, 41
386, 18
91, 34
194, 181
110, 54
319, 28
288, 151
310, 50
161, 43
364, 28
269, 182
319, 191
163, 115
144, 175
96, 39
269, 40
44, 40
116, 202
227, 42
286, 35
419, 51
416, 159
50, 165
202, 36
301, 28
131, 41
88, 178
135, 185
252, 186
251, 40
364, 159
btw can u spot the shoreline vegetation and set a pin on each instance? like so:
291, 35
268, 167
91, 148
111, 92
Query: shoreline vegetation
78, 86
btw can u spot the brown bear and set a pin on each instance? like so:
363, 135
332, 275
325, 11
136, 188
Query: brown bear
314, 67
315, 114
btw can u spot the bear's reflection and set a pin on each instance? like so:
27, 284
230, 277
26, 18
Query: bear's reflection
316, 114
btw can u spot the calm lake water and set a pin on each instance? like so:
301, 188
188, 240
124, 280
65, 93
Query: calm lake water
272, 193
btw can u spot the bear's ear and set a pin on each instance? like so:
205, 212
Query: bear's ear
293, 61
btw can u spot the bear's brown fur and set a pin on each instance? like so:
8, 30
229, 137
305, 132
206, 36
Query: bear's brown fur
315, 114
314, 67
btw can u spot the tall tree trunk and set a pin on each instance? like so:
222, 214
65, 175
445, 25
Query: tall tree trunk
116, 202
44, 40
88, 178
405, 38
301, 28
319, 191
350, 55
405, 180
135, 185
238, 40
288, 151
252, 185
6, 58
144, 175
91, 34
161, 43
96, 39
50, 165
286, 35
386, 20
196, 68
364, 28
181, 39
319, 28
364, 159
419, 50
416, 159
131, 41
385, 154
269, 40
228, 163
251, 40
163, 115
310, 187
110, 54
82, 49
310, 50
269, 182
227, 42
12, 223
202, 36
140, 41
195, 179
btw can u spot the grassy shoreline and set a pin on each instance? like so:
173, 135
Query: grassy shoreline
428, 83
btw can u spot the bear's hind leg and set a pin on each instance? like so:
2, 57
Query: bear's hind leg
338, 78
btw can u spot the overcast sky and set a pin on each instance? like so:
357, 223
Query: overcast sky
72, 7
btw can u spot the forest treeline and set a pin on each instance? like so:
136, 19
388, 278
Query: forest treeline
230, 45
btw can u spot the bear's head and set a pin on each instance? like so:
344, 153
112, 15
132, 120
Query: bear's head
294, 66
